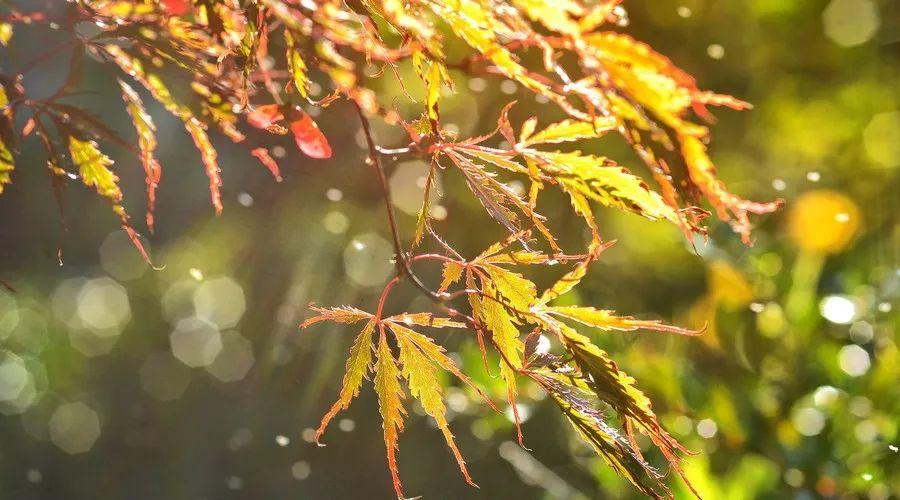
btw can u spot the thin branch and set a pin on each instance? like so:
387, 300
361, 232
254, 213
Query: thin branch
374, 159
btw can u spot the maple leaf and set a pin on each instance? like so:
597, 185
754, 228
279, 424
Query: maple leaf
357, 368
309, 138
419, 369
206, 65
390, 404
146, 131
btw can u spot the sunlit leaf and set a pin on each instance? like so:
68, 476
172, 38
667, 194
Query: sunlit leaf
296, 65
342, 314
390, 404
357, 367
606, 320
452, 272
93, 168
309, 138
146, 131
727, 205
571, 130
424, 386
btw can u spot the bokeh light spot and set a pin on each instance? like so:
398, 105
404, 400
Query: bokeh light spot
808, 421
854, 360
195, 342
300, 470
707, 428
234, 360
849, 23
838, 309
74, 427
14, 377
407, 185
120, 258
220, 301
103, 306
367, 260
881, 138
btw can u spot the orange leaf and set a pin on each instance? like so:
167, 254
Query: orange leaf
309, 138
177, 7
263, 155
265, 116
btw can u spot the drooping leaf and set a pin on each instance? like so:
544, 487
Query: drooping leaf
357, 367
434, 77
617, 389
703, 174
262, 154
438, 356
491, 311
424, 215
390, 405
424, 386
93, 168
210, 162
296, 65
195, 128
606, 441
146, 131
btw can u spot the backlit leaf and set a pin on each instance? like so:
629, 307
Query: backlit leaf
451, 273
296, 65
210, 163
390, 404
309, 138
424, 386
93, 167
344, 314
606, 320
572, 130
357, 367
703, 174
146, 131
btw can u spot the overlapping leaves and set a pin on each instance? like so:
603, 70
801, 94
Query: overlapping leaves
250, 70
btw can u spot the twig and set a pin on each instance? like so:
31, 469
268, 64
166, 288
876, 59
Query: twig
403, 268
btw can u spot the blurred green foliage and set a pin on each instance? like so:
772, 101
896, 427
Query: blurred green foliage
110, 385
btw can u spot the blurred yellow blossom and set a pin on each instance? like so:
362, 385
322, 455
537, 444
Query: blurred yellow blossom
823, 221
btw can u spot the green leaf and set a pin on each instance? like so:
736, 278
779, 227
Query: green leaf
357, 366
424, 385
93, 167
390, 404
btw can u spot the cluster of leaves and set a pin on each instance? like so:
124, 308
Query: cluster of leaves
233, 65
